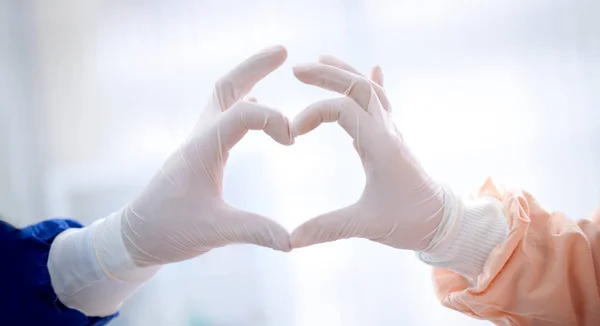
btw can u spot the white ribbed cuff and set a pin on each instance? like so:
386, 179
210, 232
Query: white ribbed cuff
82, 282
471, 231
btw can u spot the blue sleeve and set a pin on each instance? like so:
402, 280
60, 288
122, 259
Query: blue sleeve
27, 296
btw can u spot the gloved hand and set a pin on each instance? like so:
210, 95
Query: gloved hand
181, 213
401, 205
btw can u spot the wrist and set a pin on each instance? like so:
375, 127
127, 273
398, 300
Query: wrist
112, 254
471, 230
80, 280
446, 230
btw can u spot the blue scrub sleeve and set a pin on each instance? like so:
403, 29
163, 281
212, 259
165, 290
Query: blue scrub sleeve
27, 296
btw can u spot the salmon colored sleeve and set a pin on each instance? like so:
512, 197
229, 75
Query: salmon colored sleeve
546, 271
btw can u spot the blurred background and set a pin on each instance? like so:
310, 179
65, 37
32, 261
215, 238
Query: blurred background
95, 94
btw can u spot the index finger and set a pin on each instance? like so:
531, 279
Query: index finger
376, 79
344, 82
337, 80
239, 81
333, 61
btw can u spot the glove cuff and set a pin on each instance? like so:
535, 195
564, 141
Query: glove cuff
90, 270
113, 257
469, 232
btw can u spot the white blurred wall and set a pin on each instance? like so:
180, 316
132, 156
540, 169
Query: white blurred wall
20, 168
95, 94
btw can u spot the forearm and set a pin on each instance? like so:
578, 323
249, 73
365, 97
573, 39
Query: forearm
28, 297
470, 230
91, 270
545, 271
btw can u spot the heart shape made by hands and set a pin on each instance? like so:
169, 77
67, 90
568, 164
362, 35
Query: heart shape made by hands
181, 213
401, 205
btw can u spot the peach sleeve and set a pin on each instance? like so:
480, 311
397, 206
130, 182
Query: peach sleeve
546, 271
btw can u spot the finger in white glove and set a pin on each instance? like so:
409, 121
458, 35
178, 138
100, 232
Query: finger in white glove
376, 79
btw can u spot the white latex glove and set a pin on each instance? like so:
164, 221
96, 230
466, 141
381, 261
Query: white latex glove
401, 205
469, 229
181, 213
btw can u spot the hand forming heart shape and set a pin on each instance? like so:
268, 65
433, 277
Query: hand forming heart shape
181, 213
401, 205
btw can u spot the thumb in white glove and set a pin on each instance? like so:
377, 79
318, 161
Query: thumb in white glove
401, 205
